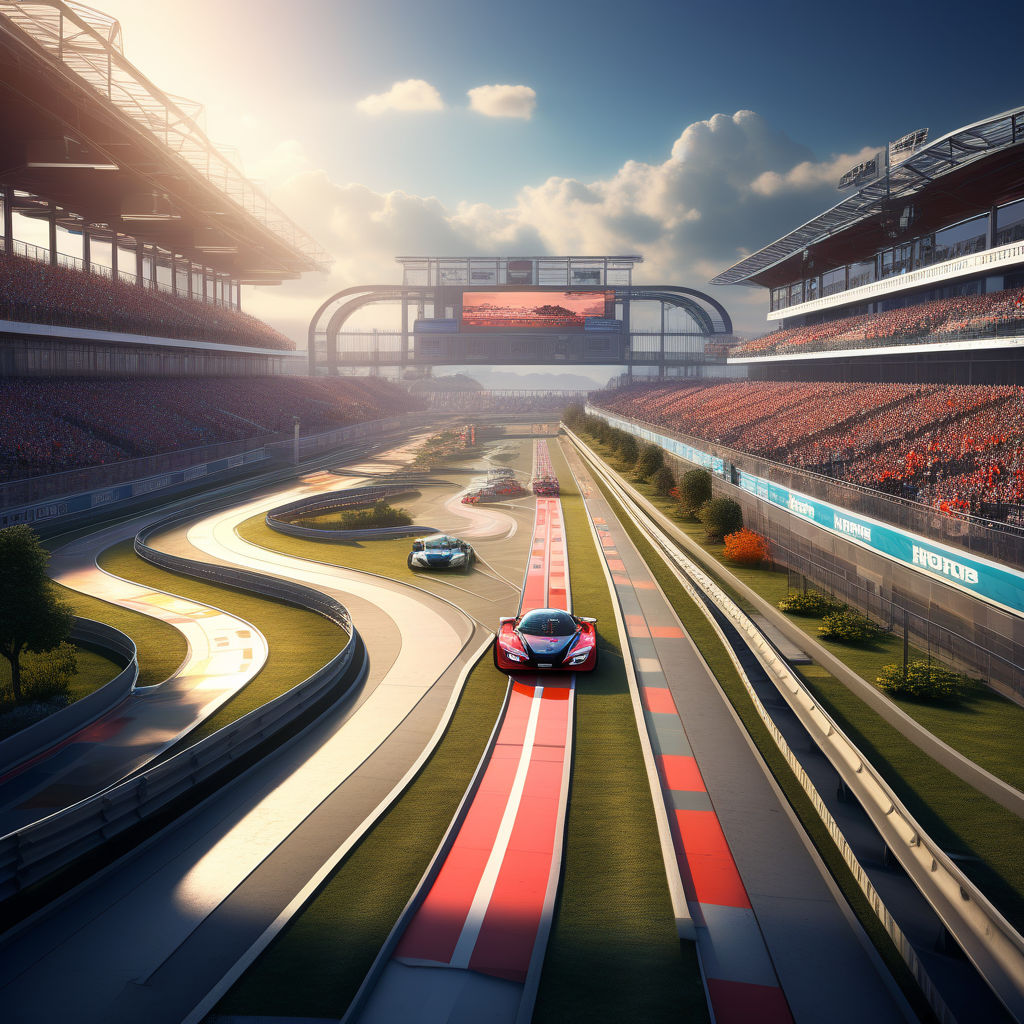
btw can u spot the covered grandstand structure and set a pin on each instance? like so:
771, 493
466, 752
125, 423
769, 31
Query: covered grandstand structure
93, 148
931, 222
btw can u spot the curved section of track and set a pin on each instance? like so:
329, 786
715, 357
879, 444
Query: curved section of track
224, 653
471, 944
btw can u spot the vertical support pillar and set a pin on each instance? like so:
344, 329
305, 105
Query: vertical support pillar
205, 276
114, 270
174, 273
154, 282
52, 217
8, 218
661, 357
139, 264
86, 249
403, 355
238, 295
190, 268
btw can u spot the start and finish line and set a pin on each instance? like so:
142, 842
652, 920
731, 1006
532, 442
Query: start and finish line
988, 581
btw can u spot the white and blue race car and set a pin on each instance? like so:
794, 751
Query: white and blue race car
441, 552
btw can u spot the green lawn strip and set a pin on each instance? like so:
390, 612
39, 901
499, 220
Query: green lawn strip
161, 647
985, 726
714, 652
314, 967
300, 641
613, 953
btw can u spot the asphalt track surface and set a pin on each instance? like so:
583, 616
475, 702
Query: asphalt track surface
224, 653
775, 939
475, 945
157, 932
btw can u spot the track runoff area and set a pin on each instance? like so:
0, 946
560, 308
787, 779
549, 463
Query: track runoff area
471, 945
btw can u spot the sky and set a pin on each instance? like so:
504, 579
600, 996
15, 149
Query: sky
690, 132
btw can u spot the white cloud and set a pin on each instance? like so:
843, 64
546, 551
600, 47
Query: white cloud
412, 94
730, 185
503, 101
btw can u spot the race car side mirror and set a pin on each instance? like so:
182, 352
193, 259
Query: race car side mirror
587, 618
506, 618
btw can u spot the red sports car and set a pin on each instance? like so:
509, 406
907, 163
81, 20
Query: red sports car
546, 638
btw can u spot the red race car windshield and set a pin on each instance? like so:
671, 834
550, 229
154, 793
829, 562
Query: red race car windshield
547, 623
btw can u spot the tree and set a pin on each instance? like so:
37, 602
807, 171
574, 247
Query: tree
694, 491
720, 516
664, 481
31, 616
650, 461
745, 547
629, 450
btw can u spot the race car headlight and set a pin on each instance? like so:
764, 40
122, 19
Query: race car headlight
512, 655
580, 656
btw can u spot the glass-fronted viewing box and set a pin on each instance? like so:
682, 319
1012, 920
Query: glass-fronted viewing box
949, 243
518, 271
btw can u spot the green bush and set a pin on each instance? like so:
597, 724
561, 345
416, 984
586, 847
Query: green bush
811, 604
849, 627
48, 674
924, 681
381, 515
651, 460
694, 491
664, 480
720, 516
628, 449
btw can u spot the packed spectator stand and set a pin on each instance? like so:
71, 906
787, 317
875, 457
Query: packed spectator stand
941, 319
35, 292
957, 447
60, 423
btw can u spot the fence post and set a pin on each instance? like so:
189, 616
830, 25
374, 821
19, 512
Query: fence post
906, 642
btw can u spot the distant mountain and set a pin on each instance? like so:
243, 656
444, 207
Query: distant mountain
509, 380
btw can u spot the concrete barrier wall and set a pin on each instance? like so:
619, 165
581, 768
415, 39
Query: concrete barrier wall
44, 734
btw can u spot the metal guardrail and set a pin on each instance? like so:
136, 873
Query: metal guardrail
33, 853
340, 500
55, 727
986, 937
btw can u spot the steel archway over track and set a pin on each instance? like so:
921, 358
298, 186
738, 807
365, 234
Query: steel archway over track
330, 318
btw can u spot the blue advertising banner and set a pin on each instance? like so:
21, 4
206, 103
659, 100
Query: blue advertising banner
997, 584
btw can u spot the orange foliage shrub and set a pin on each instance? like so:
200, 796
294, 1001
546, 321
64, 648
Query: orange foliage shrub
746, 547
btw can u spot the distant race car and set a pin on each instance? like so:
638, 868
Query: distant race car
440, 552
546, 638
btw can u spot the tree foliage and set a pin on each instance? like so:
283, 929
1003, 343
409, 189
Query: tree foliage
652, 458
745, 547
664, 481
31, 616
628, 449
720, 516
694, 490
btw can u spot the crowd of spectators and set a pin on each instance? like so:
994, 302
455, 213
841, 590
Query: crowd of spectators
974, 314
35, 292
958, 447
49, 425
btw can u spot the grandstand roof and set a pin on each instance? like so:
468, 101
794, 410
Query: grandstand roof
68, 91
949, 179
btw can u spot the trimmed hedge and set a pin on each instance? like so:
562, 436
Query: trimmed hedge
720, 516
812, 604
849, 627
924, 681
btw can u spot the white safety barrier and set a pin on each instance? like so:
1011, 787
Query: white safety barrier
986, 937
37, 851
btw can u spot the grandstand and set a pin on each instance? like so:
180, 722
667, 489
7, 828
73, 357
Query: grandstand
885, 411
918, 275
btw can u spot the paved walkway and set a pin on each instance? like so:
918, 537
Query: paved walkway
775, 940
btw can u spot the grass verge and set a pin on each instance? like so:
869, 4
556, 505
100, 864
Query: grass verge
984, 835
300, 641
985, 726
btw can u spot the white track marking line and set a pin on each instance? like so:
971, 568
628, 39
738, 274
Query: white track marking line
485, 890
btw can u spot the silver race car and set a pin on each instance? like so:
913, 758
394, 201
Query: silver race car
441, 552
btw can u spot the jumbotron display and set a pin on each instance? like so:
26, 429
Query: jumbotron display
534, 310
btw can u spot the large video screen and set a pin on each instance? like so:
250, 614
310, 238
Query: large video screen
534, 310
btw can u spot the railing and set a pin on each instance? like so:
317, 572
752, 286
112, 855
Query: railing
29, 741
280, 518
37, 851
988, 939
